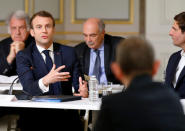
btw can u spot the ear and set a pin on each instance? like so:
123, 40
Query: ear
54, 29
155, 67
117, 71
103, 33
32, 32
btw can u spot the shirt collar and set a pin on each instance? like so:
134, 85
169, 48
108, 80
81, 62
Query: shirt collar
182, 53
101, 47
41, 49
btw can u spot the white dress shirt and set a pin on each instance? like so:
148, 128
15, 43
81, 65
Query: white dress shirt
179, 68
51, 53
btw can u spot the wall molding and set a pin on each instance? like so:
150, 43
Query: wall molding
107, 21
80, 33
26, 8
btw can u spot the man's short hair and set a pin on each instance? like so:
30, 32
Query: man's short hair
135, 55
19, 14
101, 25
42, 14
180, 18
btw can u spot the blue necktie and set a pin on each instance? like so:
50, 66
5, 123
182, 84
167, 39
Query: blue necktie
97, 65
53, 88
49, 62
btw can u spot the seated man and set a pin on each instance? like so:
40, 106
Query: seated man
175, 70
97, 52
145, 105
18, 27
48, 68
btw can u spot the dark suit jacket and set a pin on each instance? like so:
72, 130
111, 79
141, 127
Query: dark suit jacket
144, 106
5, 68
83, 53
170, 73
31, 58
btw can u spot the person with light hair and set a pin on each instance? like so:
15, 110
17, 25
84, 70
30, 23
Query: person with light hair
18, 28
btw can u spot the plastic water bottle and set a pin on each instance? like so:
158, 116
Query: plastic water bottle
93, 89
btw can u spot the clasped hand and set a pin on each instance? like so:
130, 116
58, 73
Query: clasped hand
15, 47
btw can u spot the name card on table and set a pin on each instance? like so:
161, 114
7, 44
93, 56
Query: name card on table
7, 98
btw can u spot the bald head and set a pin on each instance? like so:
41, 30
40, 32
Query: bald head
93, 31
95, 21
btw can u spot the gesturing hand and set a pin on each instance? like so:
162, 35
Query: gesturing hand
83, 90
55, 75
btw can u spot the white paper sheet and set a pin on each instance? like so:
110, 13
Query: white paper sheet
6, 79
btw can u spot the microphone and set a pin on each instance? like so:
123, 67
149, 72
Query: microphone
11, 86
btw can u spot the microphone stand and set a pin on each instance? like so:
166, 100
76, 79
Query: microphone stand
11, 86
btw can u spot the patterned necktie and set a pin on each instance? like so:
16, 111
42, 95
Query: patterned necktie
49, 62
97, 65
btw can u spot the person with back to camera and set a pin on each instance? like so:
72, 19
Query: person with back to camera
145, 105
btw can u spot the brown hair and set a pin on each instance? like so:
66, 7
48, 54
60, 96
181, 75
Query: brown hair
180, 18
42, 14
135, 55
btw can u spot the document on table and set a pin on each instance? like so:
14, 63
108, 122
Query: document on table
55, 98
8, 79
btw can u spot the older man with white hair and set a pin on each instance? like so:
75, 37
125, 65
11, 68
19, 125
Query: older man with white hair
18, 28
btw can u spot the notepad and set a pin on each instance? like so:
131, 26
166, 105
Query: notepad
54, 98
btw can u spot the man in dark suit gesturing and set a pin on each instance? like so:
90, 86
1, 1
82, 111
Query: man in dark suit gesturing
49, 68
97, 41
175, 71
145, 105
63, 73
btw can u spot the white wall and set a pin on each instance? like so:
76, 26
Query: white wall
159, 19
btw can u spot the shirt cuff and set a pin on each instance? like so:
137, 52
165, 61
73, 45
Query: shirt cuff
43, 88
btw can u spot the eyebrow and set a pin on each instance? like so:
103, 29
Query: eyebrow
90, 34
38, 25
174, 28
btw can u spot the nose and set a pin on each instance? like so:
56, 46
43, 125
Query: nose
171, 32
88, 38
44, 29
17, 31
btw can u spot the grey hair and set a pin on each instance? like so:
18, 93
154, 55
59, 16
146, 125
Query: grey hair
101, 25
19, 14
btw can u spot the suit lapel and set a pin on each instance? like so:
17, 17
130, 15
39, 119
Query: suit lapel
181, 75
107, 56
57, 56
87, 60
173, 69
38, 61
58, 62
